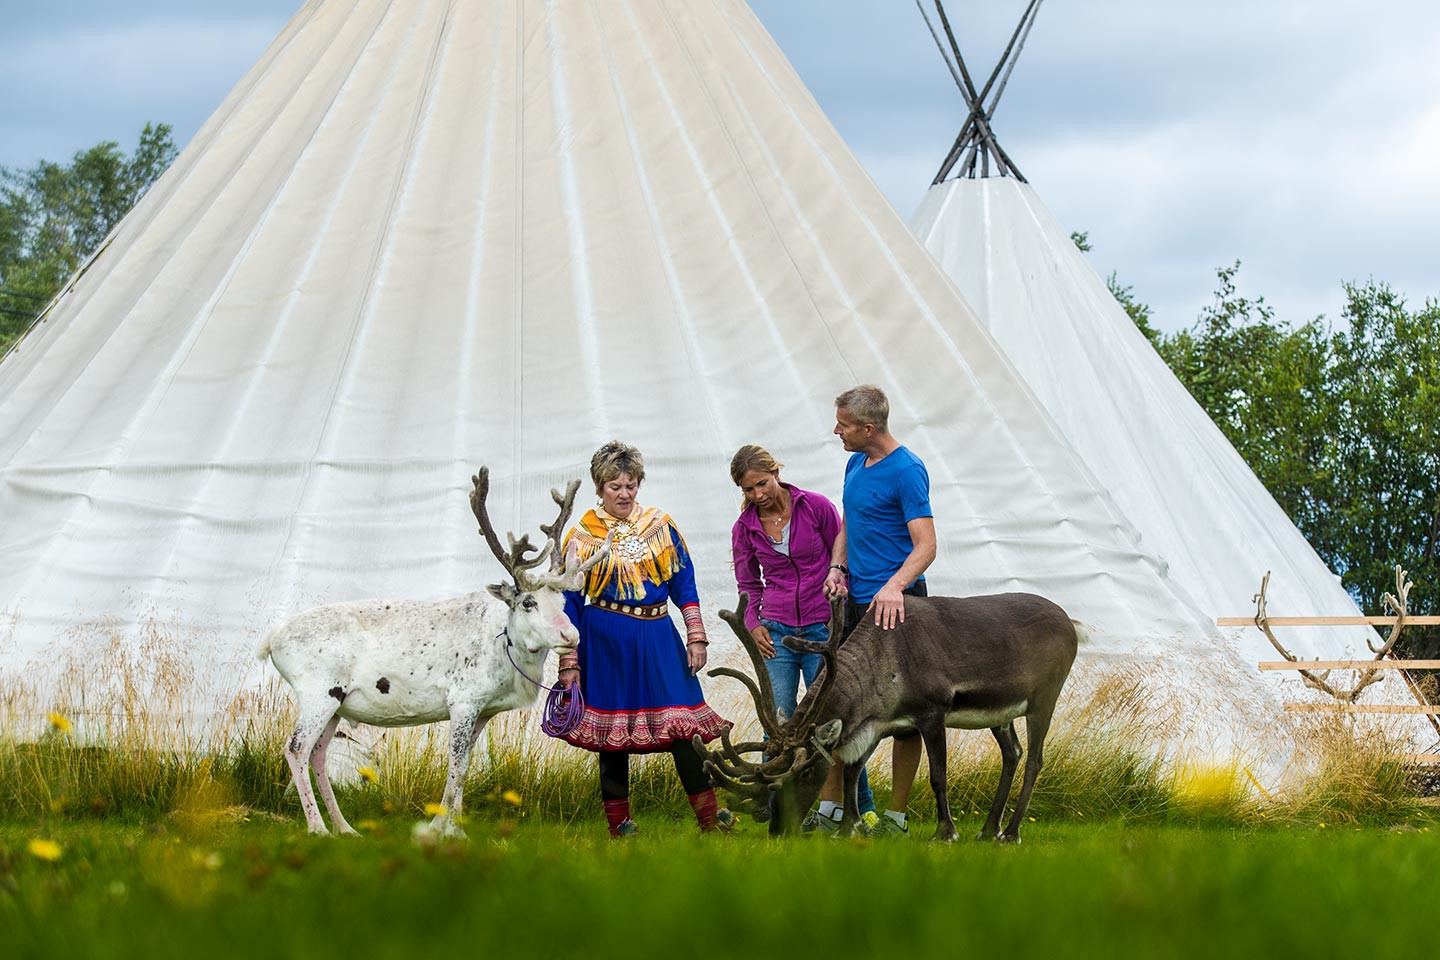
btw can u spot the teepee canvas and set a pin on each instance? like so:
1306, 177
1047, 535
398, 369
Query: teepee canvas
1161, 461
422, 235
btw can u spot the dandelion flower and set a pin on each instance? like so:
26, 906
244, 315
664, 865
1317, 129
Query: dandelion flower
45, 849
58, 721
209, 861
511, 797
1031, 819
368, 774
435, 810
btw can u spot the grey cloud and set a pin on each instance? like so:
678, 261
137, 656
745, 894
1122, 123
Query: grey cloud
1181, 134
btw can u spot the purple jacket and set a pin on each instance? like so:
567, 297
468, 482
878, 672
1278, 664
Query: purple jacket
788, 590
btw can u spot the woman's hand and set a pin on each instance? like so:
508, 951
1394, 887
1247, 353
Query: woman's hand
569, 677
835, 585
763, 641
698, 654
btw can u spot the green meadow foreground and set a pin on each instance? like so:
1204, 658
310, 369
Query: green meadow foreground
125, 846
259, 886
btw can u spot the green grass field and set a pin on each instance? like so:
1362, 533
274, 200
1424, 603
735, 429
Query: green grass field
116, 843
260, 887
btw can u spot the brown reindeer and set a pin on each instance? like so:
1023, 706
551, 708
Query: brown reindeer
970, 663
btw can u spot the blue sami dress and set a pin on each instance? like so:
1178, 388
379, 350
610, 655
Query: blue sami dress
639, 694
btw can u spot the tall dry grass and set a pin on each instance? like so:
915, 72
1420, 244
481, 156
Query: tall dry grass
141, 744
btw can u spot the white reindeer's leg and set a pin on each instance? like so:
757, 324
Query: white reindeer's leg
322, 780
308, 730
457, 801
465, 726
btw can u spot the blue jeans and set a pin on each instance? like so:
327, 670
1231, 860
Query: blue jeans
786, 668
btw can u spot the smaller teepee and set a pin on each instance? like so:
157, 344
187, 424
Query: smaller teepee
1169, 470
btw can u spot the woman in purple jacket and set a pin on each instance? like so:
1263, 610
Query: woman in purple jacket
781, 546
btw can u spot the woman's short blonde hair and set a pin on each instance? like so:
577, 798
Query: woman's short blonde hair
752, 457
613, 459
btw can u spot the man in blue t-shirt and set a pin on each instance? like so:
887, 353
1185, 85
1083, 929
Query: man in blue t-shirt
886, 542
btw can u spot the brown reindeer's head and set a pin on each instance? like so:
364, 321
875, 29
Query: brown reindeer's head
537, 607
798, 749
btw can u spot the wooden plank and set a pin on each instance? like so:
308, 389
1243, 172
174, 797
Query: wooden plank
1362, 708
1421, 758
1416, 621
1350, 665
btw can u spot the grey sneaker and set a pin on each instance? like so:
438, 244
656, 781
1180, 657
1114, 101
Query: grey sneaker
887, 829
816, 824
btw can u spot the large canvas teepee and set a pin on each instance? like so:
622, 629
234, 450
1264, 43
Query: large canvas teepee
425, 234
1165, 465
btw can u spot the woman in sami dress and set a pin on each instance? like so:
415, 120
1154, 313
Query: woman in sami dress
637, 675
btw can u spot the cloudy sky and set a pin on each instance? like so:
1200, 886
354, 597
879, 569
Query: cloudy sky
1299, 136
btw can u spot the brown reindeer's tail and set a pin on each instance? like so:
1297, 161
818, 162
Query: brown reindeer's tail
1082, 633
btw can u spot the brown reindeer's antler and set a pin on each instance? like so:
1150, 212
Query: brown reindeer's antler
788, 747
514, 560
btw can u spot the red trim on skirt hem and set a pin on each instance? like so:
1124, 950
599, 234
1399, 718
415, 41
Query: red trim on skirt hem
645, 731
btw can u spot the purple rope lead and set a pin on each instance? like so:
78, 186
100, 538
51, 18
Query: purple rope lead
564, 706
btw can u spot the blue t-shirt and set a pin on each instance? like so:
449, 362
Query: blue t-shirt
879, 501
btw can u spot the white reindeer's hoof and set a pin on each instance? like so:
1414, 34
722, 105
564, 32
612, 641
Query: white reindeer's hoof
424, 834
348, 831
449, 829
318, 830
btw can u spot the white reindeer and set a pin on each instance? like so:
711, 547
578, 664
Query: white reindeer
400, 663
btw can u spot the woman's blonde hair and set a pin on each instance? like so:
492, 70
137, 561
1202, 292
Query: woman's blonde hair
613, 459
752, 457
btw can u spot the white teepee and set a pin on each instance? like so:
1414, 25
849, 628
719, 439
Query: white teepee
1167, 468
423, 235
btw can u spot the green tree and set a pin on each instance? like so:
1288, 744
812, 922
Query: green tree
1385, 373
53, 216
1265, 386
1339, 425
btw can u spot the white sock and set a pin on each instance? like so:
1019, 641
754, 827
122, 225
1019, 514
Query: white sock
831, 809
896, 816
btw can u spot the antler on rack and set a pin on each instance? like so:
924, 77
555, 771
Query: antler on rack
1398, 602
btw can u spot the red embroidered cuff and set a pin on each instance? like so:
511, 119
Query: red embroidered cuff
694, 624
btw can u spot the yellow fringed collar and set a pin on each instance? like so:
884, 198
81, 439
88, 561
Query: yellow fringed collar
643, 550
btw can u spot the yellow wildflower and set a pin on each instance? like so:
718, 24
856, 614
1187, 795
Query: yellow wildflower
58, 721
511, 797
46, 849
368, 774
435, 810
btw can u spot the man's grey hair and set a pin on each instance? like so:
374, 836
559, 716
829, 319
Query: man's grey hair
867, 403
614, 459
